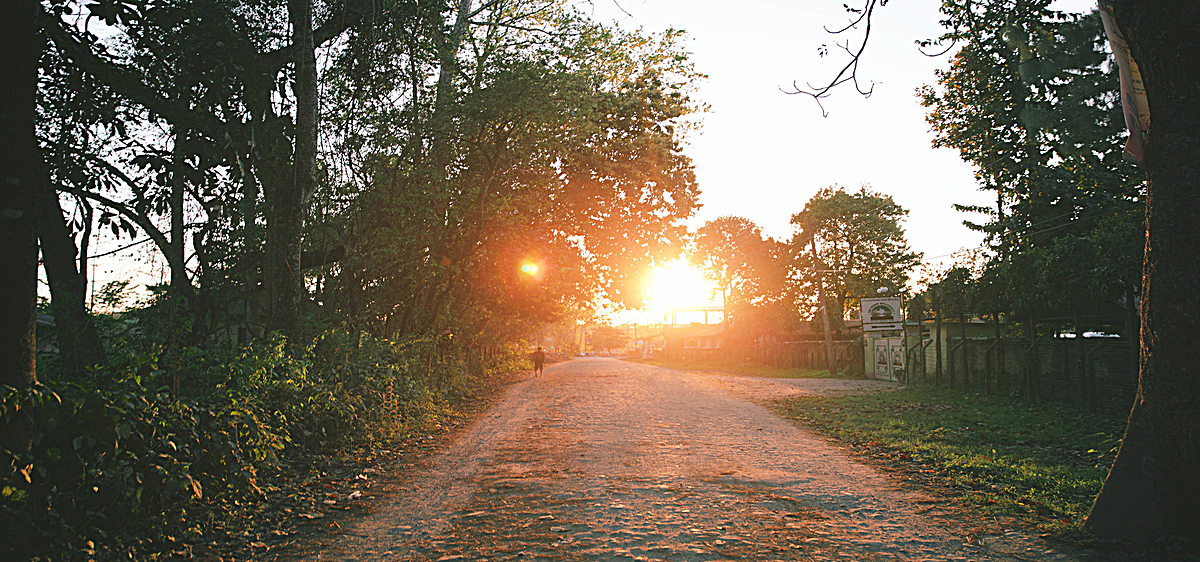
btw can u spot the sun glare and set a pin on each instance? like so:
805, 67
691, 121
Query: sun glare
679, 284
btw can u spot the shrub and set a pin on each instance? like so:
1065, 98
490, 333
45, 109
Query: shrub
157, 445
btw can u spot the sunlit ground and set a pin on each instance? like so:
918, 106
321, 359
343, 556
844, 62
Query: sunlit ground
675, 284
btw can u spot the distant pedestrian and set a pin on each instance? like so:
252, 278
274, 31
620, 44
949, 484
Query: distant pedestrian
539, 361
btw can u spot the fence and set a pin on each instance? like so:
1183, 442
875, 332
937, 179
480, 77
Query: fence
1099, 372
787, 355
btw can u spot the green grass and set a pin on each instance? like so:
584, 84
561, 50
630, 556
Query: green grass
1045, 462
747, 369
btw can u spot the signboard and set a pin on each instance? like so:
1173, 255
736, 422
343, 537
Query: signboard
882, 314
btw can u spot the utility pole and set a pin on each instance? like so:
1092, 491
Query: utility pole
824, 309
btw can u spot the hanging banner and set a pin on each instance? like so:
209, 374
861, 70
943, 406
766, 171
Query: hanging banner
1133, 92
881, 314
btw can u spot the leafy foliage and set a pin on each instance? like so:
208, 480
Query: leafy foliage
136, 452
1031, 99
860, 244
751, 272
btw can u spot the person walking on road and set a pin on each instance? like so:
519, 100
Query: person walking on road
539, 361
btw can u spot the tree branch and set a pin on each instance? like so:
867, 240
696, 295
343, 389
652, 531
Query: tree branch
126, 82
849, 72
334, 26
142, 221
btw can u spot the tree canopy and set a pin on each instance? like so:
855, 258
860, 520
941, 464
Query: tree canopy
859, 245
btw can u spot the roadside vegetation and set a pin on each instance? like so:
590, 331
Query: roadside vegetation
1041, 462
160, 453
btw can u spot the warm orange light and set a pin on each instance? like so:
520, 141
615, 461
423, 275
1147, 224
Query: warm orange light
679, 284
529, 269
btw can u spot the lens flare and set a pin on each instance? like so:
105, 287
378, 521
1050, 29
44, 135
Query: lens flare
529, 269
680, 284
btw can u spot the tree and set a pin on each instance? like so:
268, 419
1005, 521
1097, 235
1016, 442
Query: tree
18, 214
860, 244
749, 269
1030, 101
1151, 489
563, 151
733, 253
608, 337
218, 79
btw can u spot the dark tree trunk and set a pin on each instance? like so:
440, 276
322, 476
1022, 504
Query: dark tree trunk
180, 284
1033, 371
1001, 366
1086, 392
19, 160
285, 282
79, 344
1152, 489
962, 344
937, 348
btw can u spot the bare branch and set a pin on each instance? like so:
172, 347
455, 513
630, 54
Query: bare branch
849, 72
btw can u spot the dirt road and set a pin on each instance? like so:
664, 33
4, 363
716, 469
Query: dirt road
600, 459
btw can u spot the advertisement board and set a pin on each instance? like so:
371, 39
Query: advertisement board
882, 314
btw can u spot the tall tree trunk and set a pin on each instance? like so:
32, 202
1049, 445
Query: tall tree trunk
829, 352
1152, 489
962, 344
285, 281
20, 162
79, 344
180, 285
994, 376
251, 246
1086, 395
1033, 372
937, 347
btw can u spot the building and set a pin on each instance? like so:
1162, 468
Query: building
696, 332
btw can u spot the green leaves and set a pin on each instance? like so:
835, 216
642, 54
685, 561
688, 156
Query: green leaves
860, 243
1031, 101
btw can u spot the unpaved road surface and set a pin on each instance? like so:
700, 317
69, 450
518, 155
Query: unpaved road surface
600, 459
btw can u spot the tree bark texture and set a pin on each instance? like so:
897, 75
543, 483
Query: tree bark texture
285, 223
79, 344
1153, 488
19, 169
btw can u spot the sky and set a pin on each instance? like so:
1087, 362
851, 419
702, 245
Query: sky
761, 154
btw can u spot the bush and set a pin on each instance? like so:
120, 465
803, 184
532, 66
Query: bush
156, 446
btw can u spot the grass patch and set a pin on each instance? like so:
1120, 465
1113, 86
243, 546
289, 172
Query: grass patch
747, 369
1044, 462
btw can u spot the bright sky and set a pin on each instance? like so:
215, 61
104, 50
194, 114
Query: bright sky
762, 154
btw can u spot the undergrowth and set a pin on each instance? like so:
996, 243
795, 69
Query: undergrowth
159, 449
1044, 462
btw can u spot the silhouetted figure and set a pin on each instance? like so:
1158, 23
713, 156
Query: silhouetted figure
539, 361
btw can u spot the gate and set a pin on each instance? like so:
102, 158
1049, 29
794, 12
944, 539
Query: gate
889, 358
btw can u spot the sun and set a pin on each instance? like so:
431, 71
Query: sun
679, 284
